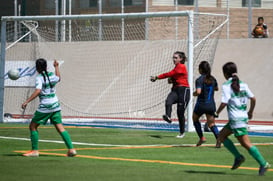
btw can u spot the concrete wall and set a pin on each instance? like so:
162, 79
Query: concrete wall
84, 80
254, 58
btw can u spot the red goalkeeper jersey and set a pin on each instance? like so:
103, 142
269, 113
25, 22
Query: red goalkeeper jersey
179, 75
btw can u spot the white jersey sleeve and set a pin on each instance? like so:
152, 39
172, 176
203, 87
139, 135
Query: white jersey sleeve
226, 93
39, 82
248, 91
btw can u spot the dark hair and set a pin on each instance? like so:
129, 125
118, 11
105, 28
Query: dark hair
230, 70
181, 55
204, 66
41, 67
261, 18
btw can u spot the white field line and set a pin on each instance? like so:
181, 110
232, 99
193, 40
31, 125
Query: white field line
111, 145
75, 143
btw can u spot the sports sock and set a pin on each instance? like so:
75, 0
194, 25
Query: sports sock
198, 128
215, 131
34, 137
66, 137
255, 153
231, 147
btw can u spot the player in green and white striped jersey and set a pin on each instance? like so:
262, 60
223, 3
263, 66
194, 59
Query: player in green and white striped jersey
235, 95
49, 107
48, 99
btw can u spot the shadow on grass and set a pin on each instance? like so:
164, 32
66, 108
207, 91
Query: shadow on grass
13, 154
215, 173
205, 172
21, 154
156, 136
160, 136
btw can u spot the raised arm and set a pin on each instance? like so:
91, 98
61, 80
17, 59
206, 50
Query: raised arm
57, 70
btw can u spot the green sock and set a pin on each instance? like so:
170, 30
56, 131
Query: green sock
34, 137
231, 147
66, 137
255, 153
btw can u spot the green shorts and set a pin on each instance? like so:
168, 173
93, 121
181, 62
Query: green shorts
42, 118
237, 131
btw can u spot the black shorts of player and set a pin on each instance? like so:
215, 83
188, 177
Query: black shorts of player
204, 108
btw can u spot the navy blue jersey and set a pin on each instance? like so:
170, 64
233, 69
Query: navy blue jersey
205, 101
207, 90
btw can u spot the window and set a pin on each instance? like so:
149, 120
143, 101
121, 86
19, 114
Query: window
88, 3
117, 3
255, 3
128, 2
185, 2
93, 3
51, 4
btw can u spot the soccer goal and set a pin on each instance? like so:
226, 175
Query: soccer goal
106, 62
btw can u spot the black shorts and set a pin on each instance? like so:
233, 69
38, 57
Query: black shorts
204, 108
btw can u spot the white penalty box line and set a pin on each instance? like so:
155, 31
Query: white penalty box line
77, 143
112, 145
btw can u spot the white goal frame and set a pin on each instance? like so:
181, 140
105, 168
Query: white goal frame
122, 16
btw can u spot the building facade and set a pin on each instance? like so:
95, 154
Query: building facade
242, 16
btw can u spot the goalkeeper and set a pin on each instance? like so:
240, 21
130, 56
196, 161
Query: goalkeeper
180, 92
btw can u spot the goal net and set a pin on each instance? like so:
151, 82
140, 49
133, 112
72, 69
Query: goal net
106, 62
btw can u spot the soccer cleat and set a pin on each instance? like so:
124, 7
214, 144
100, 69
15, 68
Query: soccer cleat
201, 141
71, 153
263, 169
237, 162
167, 118
32, 153
181, 135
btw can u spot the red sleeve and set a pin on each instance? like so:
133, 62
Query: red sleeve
179, 74
168, 74
178, 70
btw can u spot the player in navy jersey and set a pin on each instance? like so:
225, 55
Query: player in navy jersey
206, 84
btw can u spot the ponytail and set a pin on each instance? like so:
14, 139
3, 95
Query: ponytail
205, 69
41, 67
45, 75
235, 85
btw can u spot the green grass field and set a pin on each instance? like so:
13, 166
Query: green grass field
123, 154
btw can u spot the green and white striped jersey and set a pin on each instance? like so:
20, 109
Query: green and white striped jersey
236, 103
48, 98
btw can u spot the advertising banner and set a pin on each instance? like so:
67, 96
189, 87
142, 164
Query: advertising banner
27, 71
